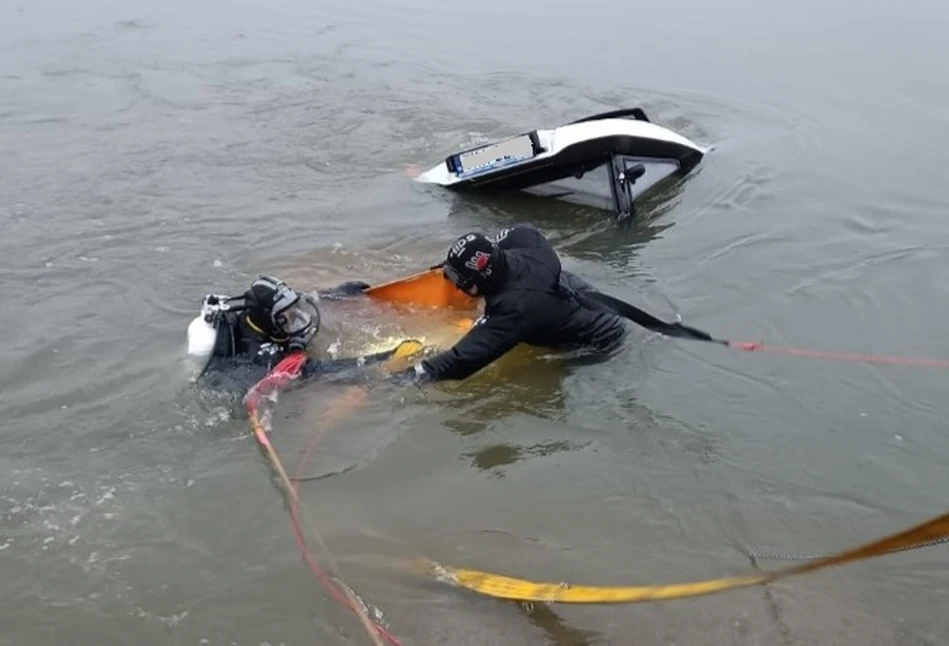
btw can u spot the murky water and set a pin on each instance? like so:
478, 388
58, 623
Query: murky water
150, 153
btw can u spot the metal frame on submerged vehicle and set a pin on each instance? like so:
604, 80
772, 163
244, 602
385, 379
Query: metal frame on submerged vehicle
635, 153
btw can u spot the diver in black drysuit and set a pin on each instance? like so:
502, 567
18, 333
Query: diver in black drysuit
273, 322
529, 299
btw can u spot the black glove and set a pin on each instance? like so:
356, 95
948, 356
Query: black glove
353, 287
345, 290
416, 374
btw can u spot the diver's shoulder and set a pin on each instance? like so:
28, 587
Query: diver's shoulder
519, 235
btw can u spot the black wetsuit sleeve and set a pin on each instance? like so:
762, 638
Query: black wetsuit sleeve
315, 367
489, 339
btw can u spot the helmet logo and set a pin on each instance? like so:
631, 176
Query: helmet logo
478, 261
460, 244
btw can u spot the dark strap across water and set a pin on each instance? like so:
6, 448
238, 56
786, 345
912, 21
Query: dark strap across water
603, 302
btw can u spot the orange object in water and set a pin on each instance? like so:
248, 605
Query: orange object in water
428, 288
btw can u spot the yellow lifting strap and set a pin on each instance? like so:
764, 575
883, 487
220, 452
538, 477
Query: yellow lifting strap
504, 587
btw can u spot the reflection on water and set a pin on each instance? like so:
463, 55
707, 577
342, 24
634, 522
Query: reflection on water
556, 630
499, 455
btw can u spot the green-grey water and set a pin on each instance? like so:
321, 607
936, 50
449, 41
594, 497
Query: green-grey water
151, 153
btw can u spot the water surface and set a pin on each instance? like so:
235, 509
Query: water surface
150, 153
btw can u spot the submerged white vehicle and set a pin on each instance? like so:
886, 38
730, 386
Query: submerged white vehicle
607, 160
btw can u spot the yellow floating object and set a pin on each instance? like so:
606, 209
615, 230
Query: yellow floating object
504, 587
402, 355
407, 348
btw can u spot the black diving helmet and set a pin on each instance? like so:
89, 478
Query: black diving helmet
280, 312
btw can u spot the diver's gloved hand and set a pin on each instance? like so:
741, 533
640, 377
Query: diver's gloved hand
415, 375
345, 290
352, 287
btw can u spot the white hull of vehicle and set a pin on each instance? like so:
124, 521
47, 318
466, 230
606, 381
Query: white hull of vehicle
556, 140
621, 151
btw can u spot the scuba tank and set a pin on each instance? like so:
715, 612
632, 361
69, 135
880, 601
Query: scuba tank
204, 329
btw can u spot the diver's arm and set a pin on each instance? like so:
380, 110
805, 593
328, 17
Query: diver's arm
314, 367
332, 366
489, 339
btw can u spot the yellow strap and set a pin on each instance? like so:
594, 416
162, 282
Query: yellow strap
504, 587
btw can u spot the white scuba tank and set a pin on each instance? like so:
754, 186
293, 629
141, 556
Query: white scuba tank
202, 334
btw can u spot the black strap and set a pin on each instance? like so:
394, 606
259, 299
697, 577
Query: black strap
599, 301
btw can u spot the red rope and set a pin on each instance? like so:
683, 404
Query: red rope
286, 371
753, 346
327, 582
301, 543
